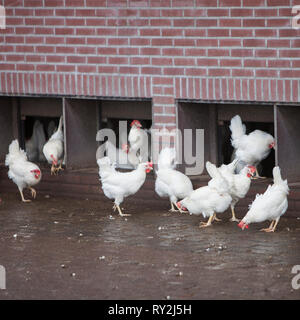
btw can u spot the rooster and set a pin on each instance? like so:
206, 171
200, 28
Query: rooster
138, 140
119, 185
252, 148
54, 149
239, 184
23, 173
170, 182
270, 205
209, 200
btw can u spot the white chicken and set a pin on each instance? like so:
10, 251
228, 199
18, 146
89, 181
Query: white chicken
23, 173
252, 148
119, 185
124, 158
54, 149
239, 184
34, 145
170, 182
270, 205
138, 140
209, 200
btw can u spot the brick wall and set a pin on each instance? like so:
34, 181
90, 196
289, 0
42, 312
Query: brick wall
163, 49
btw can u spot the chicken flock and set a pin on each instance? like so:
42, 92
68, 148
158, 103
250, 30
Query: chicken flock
228, 184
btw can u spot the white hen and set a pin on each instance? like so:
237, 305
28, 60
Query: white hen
252, 148
119, 185
170, 182
54, 148
209, 200
23, 173
239, 184
270, 205
138, 140
34, 145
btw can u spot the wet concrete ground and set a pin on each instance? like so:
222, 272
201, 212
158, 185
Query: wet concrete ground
61, 248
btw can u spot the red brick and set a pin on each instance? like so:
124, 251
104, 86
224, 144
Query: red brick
64, 31
184, 42
75, 40
160, 22
151, 70
45, 67
150, 51
87, 69
254, 43
162, 61
289, 53
194, 33
230, 22
279, 22
25, 67
194, 13
34, 39
75, 3
118, 60
162, 81
95, 41
265, 53
107, 51
65, 68
184, 23
129, 70
241, 52
254, 3
64, 49
140, 42
289, 73
230, 3
151, 32
127, 32
180, 3
265, 33
230, 63
140, 60
241, 33
95, 22
217, 52
254, 22
149, 13
206, 3
207, 43
172, 52
34, 58
254, 63
173, 71
128, 51
162, 42
55, 59
219, 72
196, 52
184, 62
117, 41
278, 43
241, 12
16, 58
206, 22
230, 43
277, 3
54, 40
43, 12
96, 3
289, 33
264, 73
207, 62
54, 3
127, 13
217, 12
75, 22
76, 59
65, 12
170, 32
217, 32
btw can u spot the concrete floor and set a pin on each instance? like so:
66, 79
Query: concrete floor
61, 248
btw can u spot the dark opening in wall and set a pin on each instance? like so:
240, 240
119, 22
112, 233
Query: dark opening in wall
215, 120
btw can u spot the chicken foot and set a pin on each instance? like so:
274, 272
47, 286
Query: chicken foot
208, 223
120, 211
22, 196
257, 176
272, 226
233, 218
33, 192
215, 218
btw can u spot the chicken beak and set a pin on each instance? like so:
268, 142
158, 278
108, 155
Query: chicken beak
243, 225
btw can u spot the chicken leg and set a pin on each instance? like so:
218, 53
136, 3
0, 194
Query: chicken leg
33, 192
233, 218
208, 223
257, 176
215, 217
53, 169
120, 211
272, 226
22, 196
172, 207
